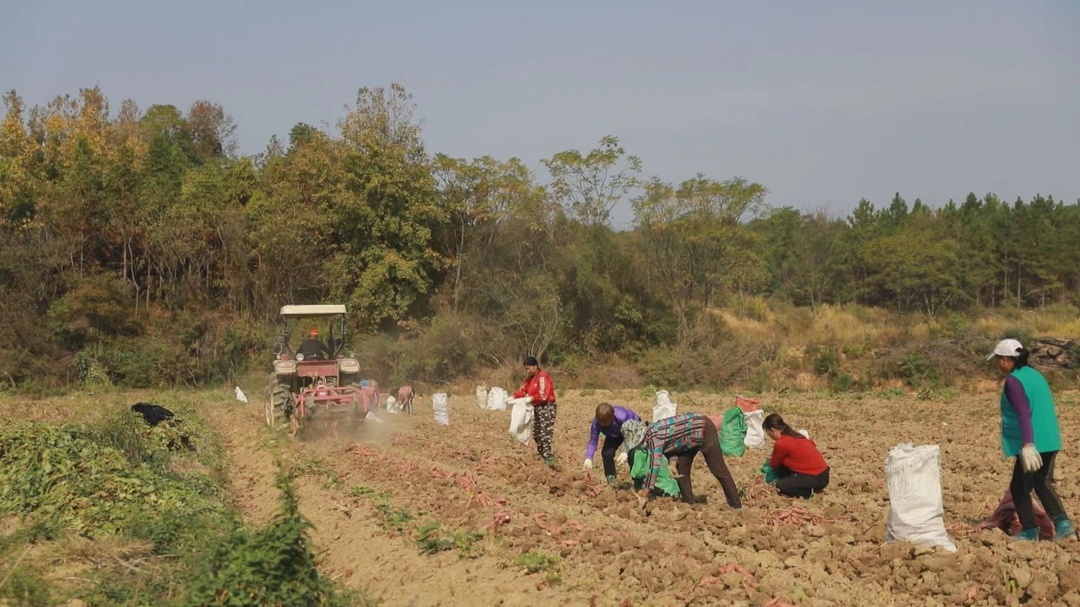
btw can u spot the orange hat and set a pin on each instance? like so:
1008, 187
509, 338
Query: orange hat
313, 332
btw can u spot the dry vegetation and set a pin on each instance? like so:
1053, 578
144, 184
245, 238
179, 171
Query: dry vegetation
770, 347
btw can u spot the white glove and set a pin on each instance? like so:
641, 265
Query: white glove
527, 399
587, 465
621, 458
1030, 459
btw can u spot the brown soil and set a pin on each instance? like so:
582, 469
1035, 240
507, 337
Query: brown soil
473, 477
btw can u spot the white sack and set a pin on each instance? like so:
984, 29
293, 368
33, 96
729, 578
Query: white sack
392, 405
496, 400
663, 408
438, 405
481, 397
916, 512
521, 420
755, 429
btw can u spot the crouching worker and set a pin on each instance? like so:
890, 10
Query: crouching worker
800, 468
608, 421
680, 438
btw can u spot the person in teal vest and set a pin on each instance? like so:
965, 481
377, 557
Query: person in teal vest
1030, 433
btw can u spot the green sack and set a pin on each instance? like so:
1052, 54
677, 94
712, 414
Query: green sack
733, 432
769, 472
664, 483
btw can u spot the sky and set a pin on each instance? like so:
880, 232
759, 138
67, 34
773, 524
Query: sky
822, 102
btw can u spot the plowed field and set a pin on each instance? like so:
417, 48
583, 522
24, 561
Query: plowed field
512, 532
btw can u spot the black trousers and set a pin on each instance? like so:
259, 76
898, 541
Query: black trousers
714, 459
1023, 484
793, 484
607, 455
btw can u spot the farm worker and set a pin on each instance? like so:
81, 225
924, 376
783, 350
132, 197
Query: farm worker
1030, 432
608, 421
680, 438
313, 348
539, 391
800, 468
405, 398
369, 396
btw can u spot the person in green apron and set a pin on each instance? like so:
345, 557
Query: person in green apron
1030, 433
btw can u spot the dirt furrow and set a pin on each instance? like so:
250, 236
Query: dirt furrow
352, 543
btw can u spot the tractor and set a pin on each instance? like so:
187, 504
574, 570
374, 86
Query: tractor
315, 380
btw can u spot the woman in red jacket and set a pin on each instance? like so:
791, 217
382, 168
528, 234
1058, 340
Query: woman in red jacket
541, 393
801, 469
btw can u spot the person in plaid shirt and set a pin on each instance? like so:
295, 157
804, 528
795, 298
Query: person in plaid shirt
680, 438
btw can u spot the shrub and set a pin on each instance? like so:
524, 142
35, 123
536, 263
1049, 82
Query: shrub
274, 565
100, 306
842, 382
1018, 332
826, 360
126, 362
955, 326
915, 369
237, 343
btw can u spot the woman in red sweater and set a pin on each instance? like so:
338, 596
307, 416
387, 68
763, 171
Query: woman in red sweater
801, 469
540, 391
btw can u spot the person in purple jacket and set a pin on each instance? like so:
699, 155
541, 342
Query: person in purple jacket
608, 421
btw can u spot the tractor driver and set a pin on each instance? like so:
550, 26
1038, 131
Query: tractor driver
313, 348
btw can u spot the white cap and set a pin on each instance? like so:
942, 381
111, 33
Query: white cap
1006, 347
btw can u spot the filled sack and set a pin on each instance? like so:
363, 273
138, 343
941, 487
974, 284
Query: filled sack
439, 408
733, 432
755, 429
663, 408
496, 399
916, 512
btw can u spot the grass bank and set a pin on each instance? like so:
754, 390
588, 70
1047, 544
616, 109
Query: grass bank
100, 507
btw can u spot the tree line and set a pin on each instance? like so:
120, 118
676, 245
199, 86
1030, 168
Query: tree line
140, 246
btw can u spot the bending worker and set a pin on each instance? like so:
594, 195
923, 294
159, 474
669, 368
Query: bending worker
608, 421
680, 438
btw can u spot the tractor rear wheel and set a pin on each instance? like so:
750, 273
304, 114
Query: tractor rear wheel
278, 405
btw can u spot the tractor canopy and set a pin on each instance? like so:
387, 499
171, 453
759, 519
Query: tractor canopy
301, 311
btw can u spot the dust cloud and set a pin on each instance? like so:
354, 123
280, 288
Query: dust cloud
337, 429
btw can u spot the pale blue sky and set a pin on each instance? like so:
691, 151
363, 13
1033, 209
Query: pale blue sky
822, 101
